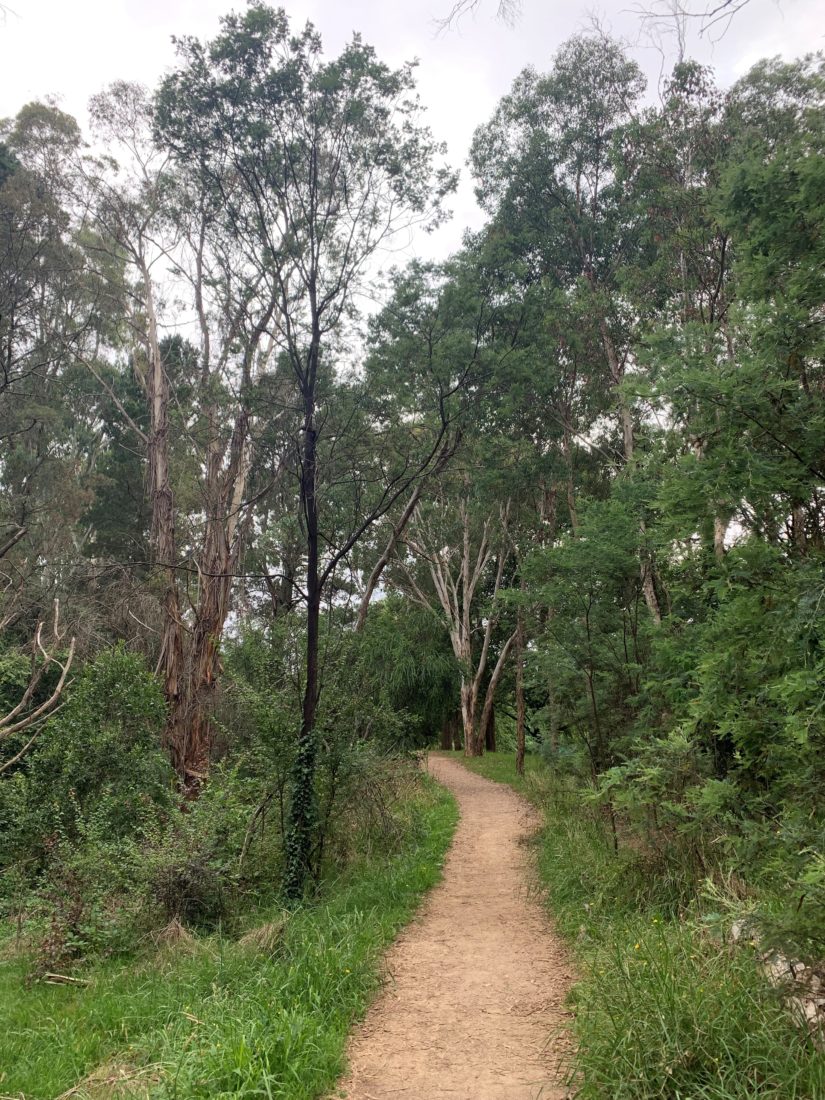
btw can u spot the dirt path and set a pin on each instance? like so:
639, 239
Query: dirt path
473, 1007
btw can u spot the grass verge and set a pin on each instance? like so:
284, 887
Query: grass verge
663, 1008
209, 1017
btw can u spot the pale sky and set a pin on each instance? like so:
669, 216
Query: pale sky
74, 48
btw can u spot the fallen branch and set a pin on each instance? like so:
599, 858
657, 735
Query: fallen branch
63, 979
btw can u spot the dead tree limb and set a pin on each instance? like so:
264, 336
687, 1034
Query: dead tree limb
23, 716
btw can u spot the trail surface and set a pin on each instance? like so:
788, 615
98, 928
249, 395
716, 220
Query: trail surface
473, 1005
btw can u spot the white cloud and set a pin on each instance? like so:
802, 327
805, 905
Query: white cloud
73, 48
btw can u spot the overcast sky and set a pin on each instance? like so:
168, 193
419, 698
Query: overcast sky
73, 48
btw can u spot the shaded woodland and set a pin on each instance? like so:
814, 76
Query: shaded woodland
275, 515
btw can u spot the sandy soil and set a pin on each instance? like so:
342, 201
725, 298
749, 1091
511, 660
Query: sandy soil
473, 1007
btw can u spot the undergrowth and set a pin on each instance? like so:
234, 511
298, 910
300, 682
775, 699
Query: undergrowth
263, 1015
664, 1008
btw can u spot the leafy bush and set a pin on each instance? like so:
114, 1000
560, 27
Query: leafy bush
411, 667
725, 768
86, 903
268, 1023
15, 669
97, 770
194, 871
359, 731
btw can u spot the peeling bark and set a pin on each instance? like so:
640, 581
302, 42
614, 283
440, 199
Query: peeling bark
189, 660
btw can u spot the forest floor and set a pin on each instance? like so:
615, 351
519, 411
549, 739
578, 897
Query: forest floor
474, 1003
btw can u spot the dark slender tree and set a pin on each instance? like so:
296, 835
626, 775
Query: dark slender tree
314, 165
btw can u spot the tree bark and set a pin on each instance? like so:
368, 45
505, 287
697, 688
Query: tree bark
469, 698
720, 529
13, 540
458, 744
162, 503
455, 589
490, 696
649, 589
217, 561
446, 738
488, 734
190, 667
302, 814
520, 708
800, 539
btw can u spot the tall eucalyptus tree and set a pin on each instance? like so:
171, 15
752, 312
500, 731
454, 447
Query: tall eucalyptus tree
165, 223
313, 165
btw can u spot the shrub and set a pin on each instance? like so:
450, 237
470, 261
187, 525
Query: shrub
101, 756
193, 871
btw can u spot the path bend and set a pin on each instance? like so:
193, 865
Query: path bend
473, 1006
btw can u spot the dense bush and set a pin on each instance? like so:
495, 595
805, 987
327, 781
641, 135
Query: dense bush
99, 850
406, 659
97, 770
724, 768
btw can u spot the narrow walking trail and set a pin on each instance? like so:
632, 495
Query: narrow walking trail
473, 1006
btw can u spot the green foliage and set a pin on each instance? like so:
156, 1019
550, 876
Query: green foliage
662, 1007
406, 654
598, 639
74, 816
666, 1013
273, 1021
630, 354
15, 670
86, 904
192, 870
97, 772
360, 732
727, 757
100, 757
8, 163
696, 248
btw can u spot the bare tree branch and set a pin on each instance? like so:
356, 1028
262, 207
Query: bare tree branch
19, 718
507, 11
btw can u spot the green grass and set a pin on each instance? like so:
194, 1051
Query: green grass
501, 767
663, 1008
217, 1020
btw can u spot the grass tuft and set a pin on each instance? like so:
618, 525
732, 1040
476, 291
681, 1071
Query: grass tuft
173, 936
114, 1081
266, 938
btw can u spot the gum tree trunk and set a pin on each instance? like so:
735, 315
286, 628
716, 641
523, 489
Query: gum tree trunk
520, 709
